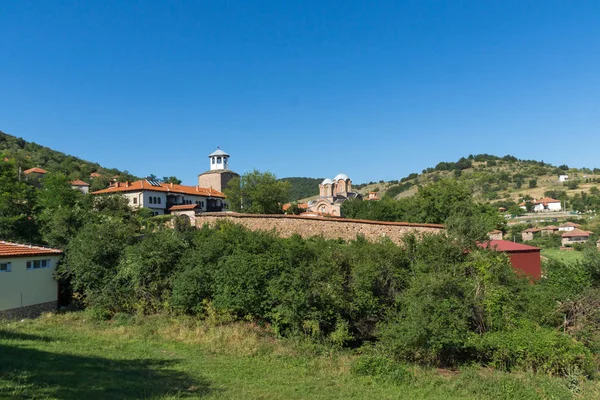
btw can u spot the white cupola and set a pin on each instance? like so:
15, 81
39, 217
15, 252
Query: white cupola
219, 160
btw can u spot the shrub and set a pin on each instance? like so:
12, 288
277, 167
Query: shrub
531, 347
381, 368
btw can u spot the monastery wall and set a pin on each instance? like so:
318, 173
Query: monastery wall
329, 228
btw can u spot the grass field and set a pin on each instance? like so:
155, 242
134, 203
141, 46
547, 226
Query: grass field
71, 357
565, 256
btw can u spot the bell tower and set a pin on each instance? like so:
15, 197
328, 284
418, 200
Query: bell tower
218, 175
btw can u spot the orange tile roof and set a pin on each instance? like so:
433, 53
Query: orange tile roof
569, 224
576, 232
547, 200
532, 230
35, 170
78, 182
95, 175
302, 206
549, 228
8, 249
141, 185
184, 207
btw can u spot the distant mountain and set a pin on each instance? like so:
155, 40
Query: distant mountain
303, 187
29, 155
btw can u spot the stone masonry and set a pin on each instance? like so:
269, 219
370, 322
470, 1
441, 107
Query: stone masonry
329, 228
29, 312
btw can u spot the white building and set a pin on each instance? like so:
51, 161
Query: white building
563, 178
547, 204
27, 284
80, 185
568, 227
160, 197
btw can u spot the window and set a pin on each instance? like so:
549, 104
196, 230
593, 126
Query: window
135, 200
38, 264
202, 204
5, 267
213, 160
159, 200
150, 200
218, 160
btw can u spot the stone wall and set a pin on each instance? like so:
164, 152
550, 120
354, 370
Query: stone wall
330, 228
30, 311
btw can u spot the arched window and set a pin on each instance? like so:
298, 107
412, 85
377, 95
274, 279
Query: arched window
218, 160
213, 160
159, 200
150, 200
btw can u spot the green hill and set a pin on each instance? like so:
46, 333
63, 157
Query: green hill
497, 180
303, 187
27, 155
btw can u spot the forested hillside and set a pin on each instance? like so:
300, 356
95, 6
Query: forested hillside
27, 155
303, 187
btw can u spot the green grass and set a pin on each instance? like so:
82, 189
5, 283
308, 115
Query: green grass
71, 357
561, 255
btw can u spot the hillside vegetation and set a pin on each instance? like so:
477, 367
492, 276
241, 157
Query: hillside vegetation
496, 179
27, 155
302, 188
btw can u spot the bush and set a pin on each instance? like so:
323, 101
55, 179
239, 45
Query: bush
382, 368
531, 347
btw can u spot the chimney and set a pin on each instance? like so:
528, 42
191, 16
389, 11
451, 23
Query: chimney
117, 184
171, 184
126, 183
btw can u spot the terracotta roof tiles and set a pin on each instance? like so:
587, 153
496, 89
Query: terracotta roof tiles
35, 170
79, 182
140, 185
8, 249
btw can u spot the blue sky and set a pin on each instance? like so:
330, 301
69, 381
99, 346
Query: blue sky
374, 89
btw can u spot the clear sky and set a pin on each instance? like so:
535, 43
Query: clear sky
374, 89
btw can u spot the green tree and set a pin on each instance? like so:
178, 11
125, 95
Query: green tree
257, 193
17, 202
532, 183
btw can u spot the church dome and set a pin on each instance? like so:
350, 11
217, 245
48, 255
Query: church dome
327, 181
343, 177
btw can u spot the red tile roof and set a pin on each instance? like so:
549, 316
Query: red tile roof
569, 224
507, 246
141, 185
35, 170
78, 182
547, 200
8, 249
576, 233
549, 228
532, 230
184, 207
302, 206
95, 175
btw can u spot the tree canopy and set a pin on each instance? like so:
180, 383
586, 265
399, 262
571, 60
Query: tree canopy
257, 192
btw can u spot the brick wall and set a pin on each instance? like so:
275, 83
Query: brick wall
330, 228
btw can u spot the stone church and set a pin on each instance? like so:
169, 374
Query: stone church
332, 193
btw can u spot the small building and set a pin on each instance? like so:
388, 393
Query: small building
95, 175
547, 204
373, 196
36, 170
568, 226
80, 185
576, 236
563, 178
27, 284
524, 259
528, 234
549, 230
495, 235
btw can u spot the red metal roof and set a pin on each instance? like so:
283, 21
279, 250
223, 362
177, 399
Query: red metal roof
8, 249
507, 246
